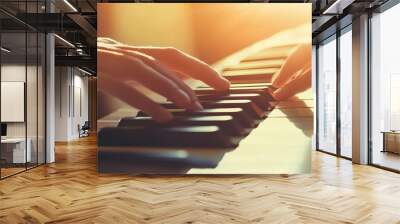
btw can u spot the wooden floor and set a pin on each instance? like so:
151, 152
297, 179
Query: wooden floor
386, 159
71, 191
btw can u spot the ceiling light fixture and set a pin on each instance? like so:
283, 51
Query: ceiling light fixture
337, 7
5, 50
84, 71
64, 40
70, 5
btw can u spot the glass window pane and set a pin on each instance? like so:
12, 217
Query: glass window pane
14, 151
327, 96
346, 94
31, 97
23, 85
386, 89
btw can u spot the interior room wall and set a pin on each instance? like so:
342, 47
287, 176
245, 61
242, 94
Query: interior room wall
14, 73
67, 114
62, 113
27, 74
80, 109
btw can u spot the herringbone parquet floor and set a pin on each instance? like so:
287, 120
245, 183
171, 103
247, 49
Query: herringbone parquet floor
71, 191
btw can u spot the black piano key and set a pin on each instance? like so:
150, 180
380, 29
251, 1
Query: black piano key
226, 122
257, 98
237, 113
122, 160
180, 137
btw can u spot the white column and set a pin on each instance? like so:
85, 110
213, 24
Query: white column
314, 90
360, 90
50, 98
63, 102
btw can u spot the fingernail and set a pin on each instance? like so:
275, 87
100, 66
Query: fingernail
222, 84
227, 82
223, 78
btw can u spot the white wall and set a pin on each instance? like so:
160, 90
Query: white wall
33, 126
61, 103
13, 73
70, 83
80, 100
13, 100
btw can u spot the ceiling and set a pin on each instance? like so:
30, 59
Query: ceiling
76, 22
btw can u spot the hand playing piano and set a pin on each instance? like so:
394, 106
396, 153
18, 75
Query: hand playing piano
157, 68
295, 74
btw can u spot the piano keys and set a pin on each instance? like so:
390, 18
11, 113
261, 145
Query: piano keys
173, 136
258, 64
196, 139
120, 160
256, 98
250, 75
225, 120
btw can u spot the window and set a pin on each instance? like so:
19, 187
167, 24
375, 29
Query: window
385, 89
346, 92
327, 95
22, 88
